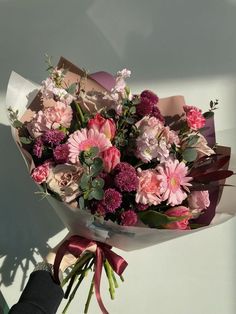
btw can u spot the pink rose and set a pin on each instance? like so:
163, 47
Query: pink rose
40, 173
64, 180
177, 212
198, 200
195, 119
102, 125
111, 158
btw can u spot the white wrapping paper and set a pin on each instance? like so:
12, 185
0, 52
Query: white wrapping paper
20, 93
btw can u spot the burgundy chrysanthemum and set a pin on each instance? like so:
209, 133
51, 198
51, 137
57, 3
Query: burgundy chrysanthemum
126, 181
129, 218
61, 153
141, 207
123, 166
152, 97
157, 114
145, 107
54, 137
38, 147
112, 200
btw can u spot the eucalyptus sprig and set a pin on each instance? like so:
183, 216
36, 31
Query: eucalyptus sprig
90, 184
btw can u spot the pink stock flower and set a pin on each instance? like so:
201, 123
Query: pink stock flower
154, 140
174, 173
129, 218
50, 118
40, 173
110, 157
150, 187
198, 200
178, 212
102, 125
83, 140
194, 117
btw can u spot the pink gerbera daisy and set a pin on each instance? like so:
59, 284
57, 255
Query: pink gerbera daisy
177, 182
83, 140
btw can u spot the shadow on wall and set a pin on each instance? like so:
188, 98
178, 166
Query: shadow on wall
156, 39
26, 223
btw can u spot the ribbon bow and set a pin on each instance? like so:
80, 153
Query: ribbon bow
76, 245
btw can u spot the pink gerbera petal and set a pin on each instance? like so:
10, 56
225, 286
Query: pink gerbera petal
83, 140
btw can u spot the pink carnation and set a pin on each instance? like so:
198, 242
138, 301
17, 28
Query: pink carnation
177, 212
41, 173
129, 218
174, 173
83, 140
150, 187
50, 118
195, 119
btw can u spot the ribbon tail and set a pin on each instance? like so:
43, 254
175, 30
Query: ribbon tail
60, 253
97, 278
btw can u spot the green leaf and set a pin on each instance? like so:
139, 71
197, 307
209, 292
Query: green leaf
72, 89
93, 152
192, 140
81, 202
132, 110
98, 182
190, 154
17, 124
25, 140
96, 193
155, 219
84, 181
96, 167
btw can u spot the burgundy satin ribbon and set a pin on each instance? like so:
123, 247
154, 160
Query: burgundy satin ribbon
76, 245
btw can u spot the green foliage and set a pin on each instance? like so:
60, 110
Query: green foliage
13, 116
72, 89
157, 220
189, 154
25, 140
192, 140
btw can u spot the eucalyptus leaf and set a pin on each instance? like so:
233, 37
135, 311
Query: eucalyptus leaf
25, 140
96, 193
192, 140
72, 89
84, 181
98, 182
96, 167
81, 202
190, 154
17, 124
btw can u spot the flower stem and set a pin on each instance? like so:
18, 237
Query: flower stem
110, 279
89, 297
114, 278
81, 277
78, 266
81, 115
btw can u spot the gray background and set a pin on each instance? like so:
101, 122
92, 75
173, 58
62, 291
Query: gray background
174, 47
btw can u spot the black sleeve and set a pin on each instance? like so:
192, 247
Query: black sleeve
41, 295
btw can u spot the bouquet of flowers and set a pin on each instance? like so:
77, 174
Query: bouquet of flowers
120, 169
